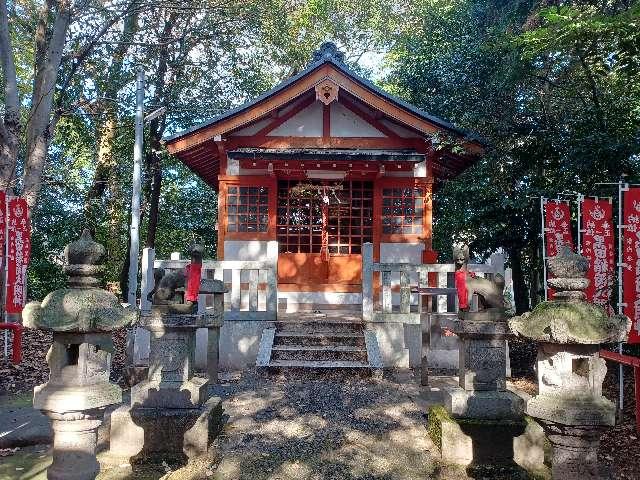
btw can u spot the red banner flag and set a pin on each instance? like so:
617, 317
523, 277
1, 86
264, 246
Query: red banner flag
598, 248
19, 249
631, 261
557, 228
3, 225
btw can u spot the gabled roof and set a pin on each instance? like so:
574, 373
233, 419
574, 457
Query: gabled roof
328, 54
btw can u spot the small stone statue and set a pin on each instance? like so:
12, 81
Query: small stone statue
179, 290
490, 293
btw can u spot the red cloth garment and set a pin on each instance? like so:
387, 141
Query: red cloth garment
193, 274
461, 286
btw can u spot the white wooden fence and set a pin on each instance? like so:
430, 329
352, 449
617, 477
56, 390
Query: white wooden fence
407, 277
252, 285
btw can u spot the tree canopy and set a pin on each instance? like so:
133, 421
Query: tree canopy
553, 87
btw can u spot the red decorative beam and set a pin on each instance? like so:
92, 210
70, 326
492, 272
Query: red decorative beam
632, 362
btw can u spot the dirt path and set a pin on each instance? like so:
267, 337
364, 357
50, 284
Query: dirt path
329, 428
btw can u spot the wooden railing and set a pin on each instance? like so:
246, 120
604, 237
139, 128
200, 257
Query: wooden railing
405, 306
252, 285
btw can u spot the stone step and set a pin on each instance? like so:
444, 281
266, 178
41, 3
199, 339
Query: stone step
318, 364
332, 315
323, 352
319, 338
319, 326
319, 348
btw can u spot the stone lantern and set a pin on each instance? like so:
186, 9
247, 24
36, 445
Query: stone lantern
81, 318
569, 405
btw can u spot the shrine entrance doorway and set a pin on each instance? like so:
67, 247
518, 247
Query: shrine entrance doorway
321, 226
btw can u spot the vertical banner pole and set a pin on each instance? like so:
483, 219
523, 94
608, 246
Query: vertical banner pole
580, 199
621, 188
6, 272
544, 249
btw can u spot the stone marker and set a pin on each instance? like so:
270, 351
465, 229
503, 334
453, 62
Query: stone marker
170, 415
80, 317
569, 404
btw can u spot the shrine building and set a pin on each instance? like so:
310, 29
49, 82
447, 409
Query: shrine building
322, 163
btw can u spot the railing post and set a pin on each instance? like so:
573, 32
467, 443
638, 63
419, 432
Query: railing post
405, 293
272, 279
147, 282
367, 282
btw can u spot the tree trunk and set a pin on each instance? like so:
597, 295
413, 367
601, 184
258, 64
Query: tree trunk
520, 293
156, 128
154, 197
10, 127
105, 168
39, 126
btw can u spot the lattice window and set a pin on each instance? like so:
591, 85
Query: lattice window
350, 222
247, 209
348, 219
402, 210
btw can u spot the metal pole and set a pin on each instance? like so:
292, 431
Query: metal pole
621, 188
580, 199
544, 250
135, 195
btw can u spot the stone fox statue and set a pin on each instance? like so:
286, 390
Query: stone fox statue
490, 293
166, 284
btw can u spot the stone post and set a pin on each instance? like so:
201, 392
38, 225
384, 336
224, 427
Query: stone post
214, 319
569, 405
81, 318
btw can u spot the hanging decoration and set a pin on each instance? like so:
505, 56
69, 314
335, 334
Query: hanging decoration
598, 248
18, 252
631, 260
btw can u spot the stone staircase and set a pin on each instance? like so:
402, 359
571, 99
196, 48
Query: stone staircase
334, 341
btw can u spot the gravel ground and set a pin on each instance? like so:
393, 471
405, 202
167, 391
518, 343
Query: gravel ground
327, 427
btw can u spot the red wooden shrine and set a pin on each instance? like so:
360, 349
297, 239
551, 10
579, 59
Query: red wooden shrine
322, 163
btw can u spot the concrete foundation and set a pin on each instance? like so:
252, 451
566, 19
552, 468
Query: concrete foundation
399, 346
519, 443
160, 433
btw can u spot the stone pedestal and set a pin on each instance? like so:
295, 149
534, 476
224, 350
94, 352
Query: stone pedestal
170, 415
74, 446
482, 370
74, 399
571, 408
575, 450
482, 422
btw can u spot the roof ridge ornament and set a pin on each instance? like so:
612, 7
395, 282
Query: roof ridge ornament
328, 51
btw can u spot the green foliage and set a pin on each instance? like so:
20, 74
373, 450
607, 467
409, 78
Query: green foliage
554, 91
